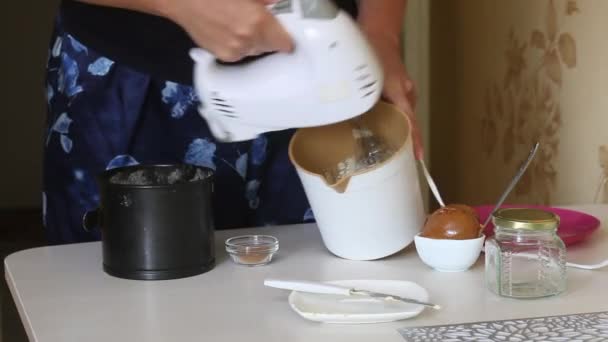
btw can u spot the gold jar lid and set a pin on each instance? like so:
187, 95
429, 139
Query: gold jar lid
525, 218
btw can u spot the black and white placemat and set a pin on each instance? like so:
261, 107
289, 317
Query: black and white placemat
572, 328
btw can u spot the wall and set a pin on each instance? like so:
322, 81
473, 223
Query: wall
24, 39
505, 74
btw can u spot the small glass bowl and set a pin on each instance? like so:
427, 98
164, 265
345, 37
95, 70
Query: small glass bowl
252, 250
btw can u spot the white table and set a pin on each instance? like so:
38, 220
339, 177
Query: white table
63, 295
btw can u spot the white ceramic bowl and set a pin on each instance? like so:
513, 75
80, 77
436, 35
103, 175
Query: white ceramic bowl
449, 255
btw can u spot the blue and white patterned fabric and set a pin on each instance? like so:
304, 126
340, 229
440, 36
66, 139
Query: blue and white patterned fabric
102, 115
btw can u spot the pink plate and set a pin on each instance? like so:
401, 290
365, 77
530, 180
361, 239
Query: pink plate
574, 226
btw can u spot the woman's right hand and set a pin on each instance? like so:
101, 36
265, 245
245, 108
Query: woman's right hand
230, 29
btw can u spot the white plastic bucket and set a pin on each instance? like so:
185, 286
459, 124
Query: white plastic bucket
374, 214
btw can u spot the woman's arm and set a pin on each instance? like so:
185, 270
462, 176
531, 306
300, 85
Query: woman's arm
385, 16
230, 29
382, 21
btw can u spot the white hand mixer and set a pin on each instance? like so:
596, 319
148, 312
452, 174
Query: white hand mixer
332, 75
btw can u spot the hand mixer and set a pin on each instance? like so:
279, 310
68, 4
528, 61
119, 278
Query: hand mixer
332, 75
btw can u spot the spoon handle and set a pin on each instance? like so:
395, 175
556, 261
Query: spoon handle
505, 194
431, 183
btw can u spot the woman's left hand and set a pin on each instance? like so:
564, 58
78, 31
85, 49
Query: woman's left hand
399, 89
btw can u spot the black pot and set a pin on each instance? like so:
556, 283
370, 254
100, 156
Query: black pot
156, 221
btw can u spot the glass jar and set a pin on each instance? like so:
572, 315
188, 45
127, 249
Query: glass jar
526, 257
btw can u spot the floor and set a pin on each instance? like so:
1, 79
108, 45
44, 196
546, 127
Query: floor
19, 229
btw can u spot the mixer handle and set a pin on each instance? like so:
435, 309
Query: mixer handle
292, 14
201, 56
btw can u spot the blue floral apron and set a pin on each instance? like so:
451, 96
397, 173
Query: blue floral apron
103, 115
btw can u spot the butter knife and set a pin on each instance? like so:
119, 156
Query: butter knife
325, 288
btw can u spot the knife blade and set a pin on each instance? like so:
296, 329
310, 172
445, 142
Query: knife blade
386, 296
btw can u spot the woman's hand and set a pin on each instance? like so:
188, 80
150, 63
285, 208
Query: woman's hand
230, 29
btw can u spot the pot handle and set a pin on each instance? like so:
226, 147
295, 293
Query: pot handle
90, 220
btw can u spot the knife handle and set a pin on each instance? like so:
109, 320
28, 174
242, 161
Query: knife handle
307, 286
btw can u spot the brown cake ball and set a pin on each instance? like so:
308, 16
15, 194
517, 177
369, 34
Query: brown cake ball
465, 208
454, 221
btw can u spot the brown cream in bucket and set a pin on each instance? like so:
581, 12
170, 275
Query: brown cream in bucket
316, 149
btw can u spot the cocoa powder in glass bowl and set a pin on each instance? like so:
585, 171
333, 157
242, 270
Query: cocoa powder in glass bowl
252, 250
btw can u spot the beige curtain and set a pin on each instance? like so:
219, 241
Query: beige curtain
505, 74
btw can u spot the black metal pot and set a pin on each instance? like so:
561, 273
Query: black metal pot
156, 221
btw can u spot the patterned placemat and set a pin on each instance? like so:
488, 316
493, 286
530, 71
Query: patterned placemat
577, 327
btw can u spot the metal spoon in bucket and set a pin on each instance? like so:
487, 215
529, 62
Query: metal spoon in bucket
505, 194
